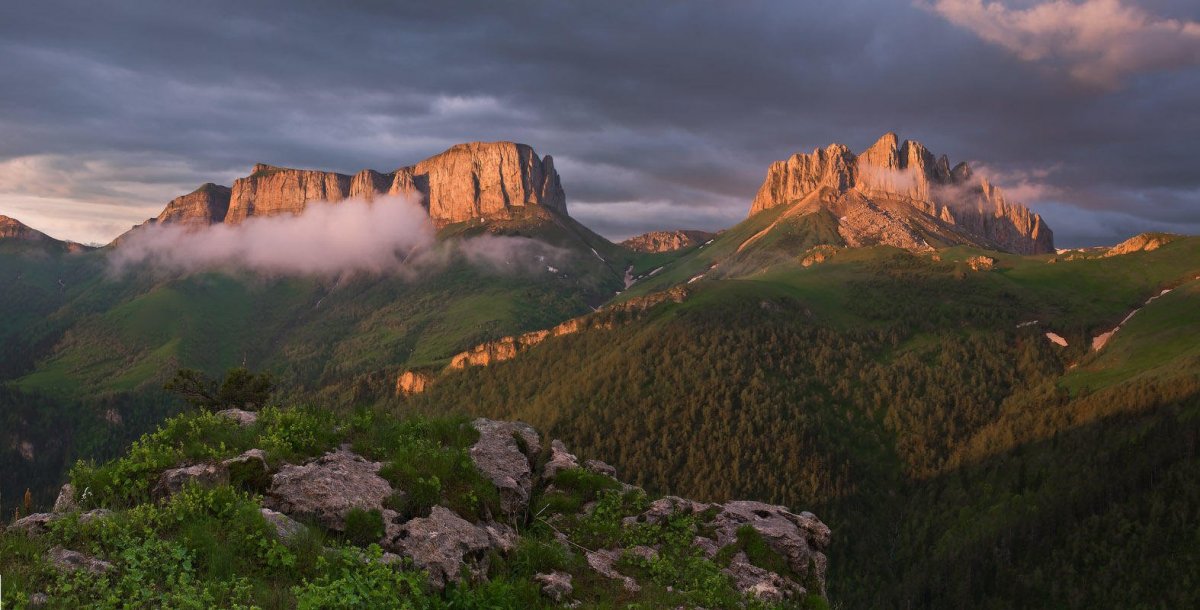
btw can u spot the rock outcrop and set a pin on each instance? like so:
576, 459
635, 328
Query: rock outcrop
285, 528
65, 502
35, 524
328, 488
172, 481
900, 193
502, 455
1144, 242
443, 543
241, 416
981, 263
798, 539
412, 382
555, 585
507, 348
70, 561
560, 460
667, 241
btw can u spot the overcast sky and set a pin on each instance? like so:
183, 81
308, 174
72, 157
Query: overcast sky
659, 114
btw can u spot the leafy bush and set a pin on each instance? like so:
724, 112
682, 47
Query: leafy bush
534, 555
364, 527
430, 474
191, 437
295, 434
354, 578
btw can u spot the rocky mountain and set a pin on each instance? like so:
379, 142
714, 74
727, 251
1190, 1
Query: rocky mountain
11, 228
17, 232
492, 180
666, 241
901, 194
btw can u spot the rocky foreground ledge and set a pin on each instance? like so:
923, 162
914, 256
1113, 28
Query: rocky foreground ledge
615, 534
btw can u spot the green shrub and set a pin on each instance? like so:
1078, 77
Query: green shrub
585, 483
190, 437
534, 555
430, 474
354, 578
364, 527
761, 554
296, 434
150, 573
604, 526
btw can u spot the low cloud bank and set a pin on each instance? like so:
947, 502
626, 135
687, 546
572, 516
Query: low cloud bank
391, 235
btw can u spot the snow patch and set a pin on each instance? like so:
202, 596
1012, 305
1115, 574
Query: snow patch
1100, 340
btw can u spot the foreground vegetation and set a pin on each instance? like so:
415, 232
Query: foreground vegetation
212, 547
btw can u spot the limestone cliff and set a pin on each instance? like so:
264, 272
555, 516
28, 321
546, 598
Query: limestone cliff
489, 180
666, 241
202, 207
271, 190
900, 193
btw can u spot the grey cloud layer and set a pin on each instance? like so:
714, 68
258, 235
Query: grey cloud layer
676, 106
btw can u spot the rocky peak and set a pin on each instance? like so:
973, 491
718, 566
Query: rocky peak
885, 152
202, 207
487, 180
11, 228
908, 173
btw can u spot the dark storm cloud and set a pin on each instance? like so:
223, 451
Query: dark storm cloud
659, 114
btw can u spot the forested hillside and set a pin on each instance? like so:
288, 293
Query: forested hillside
87, 346
961, 458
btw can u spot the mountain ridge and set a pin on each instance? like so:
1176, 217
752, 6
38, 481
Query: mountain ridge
489, 180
